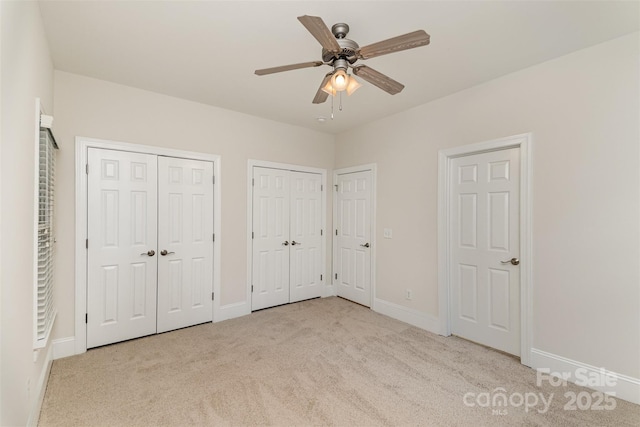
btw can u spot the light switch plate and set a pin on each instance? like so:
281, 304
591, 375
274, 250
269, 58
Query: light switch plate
388, 233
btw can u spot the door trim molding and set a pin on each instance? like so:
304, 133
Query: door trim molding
524, 142
82, 145
294, 168
373, 168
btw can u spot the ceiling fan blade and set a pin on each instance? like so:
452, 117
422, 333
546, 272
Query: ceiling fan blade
377, 78
395, 44
288, 67
321, 96
318, 29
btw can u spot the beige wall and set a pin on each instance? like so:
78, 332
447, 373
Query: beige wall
583, 112
98, 109
27, 74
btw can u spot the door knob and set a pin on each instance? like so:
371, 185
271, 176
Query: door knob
293, 243
164, 252
285, 243
513, 261
366, 245
150, 252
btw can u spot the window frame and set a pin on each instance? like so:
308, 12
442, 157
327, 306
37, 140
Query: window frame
44, 311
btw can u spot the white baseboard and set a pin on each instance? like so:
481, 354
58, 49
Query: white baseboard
64, 347
231, 311
621, 386
408, 315
41, 387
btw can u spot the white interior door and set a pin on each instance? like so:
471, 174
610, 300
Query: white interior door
185, 242
270, 269
287, 237
484, 221
353, 258
305, 251
121, 253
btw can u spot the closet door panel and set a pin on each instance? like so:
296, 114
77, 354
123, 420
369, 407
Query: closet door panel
271, 243
306, 244
121, 253
185, 242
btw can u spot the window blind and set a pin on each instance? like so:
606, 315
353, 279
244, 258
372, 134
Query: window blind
44, 311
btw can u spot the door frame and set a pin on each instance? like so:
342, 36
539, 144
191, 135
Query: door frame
292, 168
372, 167
82, 144
524, 142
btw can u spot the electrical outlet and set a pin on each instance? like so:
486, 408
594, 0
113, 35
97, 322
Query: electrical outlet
387, 233
409, 294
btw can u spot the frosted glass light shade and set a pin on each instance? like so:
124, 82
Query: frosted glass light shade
340, 80
353, 85
328, 88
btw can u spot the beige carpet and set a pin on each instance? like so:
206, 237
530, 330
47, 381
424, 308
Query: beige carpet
319, 362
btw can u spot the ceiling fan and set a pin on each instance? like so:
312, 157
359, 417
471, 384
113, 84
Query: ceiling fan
342, 53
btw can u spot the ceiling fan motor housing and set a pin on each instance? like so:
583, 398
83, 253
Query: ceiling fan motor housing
349, 47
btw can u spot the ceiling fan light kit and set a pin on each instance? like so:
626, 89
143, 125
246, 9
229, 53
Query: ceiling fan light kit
341, 53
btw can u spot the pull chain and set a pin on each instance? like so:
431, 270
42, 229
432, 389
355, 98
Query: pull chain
340, 107
332, 108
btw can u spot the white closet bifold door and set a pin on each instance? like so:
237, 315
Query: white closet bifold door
150, 244
287, 239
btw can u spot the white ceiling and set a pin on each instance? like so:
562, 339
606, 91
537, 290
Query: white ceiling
207, 51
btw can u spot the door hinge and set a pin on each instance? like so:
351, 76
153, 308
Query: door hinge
253, 182
86, 169
212, 296
214, 179
321, 277
336, 231
252, 234
86, 243
321, 187
214, 237
336, 276
251, 288
336, 187
86, 318
321, 232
